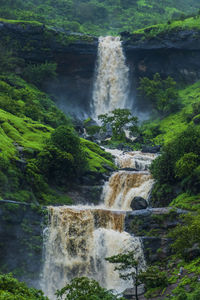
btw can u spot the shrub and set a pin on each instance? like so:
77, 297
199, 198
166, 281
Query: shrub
85, 289
186, 165
37, 74
12, 289
161, 93
153, 277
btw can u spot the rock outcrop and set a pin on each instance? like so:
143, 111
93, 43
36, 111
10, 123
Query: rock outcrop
175, 54
21, 240
153, 225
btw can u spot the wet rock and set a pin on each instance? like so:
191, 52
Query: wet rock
139, 203
130, 293
21, 233
192, 253
151, 149
156, 248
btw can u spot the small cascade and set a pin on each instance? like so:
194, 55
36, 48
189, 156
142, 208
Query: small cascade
111, 86
123, 186
134, 180
77, 241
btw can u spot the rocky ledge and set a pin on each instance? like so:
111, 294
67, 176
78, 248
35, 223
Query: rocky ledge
152, 225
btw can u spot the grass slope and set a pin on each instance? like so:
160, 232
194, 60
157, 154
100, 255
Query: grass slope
176, 123
173, 26
97, 17
27, 119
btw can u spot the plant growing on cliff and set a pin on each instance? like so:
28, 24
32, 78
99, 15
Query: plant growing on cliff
119, 120
162, 93
186, 235
39, 73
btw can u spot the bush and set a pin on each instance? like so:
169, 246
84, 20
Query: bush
84, 288
186, 235
162, 93
37, 74
186, 165
12, 289
153, 277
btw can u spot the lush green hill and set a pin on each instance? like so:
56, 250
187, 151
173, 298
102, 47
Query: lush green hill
97, 17
31, 154
177, 170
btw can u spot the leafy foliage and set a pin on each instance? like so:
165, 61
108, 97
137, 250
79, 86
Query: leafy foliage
186, 235
179, 162
153, 277
161, 93
128, 267
84, 289
36, 74
100, 17
12, 289
119, 120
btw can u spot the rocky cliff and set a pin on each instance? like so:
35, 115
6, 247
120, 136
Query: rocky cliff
170, 53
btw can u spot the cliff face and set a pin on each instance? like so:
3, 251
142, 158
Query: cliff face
75, 55
175, 54
21, 240
171, 53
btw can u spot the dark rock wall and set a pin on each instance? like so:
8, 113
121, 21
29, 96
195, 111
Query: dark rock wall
176, 54
21, 241
153, 226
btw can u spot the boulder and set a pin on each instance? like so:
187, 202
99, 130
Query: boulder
139, 203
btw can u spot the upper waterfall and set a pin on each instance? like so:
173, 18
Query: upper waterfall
111, 86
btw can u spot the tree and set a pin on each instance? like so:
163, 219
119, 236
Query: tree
161, 93
62, 159
84, 288
12, 289
186, 235
128, 268
119, 120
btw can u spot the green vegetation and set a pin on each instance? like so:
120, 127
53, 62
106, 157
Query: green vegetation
172, 26
176, 170
161, 93
33, 155
119, 120
12, 289
84, 288
97, 17
128, 268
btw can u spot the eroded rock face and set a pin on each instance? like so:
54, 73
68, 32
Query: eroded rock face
153, 225
21, 240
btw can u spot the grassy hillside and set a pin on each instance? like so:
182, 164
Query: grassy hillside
172, 26
177, 170
29, 157
97, 17
176, 123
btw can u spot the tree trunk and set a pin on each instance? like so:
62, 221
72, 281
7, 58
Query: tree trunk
136, 283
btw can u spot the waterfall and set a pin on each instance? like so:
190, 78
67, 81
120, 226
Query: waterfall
77, 241
111, 86
78, 238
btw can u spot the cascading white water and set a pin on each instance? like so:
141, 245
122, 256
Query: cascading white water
77, 241
134, 180
78, 238
111, 86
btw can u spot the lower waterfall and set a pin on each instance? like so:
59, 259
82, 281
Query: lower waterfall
78, 238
